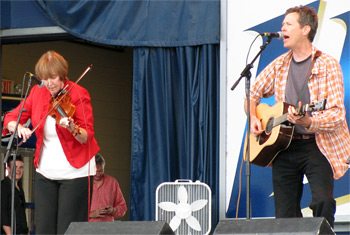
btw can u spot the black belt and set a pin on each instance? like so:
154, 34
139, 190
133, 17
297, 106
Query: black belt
303, 137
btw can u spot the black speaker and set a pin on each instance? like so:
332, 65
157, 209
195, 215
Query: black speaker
120, 227
304, 226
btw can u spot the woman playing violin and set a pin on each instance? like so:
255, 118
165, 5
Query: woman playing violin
65, 148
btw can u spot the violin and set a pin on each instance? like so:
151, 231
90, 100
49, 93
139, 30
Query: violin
61, 107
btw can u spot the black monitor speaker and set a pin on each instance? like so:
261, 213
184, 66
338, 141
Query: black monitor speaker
120, 227
301, 226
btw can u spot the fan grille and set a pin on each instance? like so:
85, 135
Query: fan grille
168, 192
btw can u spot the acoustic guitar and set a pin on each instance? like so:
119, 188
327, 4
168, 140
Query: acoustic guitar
278, 132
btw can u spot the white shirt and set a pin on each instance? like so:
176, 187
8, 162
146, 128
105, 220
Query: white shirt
53, 163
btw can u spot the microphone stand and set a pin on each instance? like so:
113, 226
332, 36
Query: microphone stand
12, 149
247, 74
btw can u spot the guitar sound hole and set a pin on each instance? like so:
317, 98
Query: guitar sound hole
269, 126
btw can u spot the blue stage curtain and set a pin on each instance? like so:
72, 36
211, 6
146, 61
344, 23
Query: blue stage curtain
175, 126
138, 23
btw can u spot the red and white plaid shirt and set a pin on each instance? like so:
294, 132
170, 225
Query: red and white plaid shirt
326, 81
108, 193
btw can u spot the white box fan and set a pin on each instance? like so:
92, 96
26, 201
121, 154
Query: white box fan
185, 205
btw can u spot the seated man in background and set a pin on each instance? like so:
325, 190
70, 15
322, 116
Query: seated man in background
19, 200
107, 198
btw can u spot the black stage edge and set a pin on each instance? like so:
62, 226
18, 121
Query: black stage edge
120, 227
304, 226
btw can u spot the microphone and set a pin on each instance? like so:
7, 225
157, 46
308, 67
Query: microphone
40, 83
278, 35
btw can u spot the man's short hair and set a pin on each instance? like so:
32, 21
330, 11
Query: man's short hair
10, 159
100, 161
307, 16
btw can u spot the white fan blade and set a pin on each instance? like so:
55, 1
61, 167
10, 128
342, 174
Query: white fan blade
199, 204
182, 194
175, 223
193, 223
167, 206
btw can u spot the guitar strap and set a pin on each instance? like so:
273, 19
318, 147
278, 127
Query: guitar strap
303, 89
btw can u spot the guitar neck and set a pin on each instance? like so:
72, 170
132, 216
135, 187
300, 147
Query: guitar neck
279, 120
283, 118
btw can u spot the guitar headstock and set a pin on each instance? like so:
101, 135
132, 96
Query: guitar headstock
314, 106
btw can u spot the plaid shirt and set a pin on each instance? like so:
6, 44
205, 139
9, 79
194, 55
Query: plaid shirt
326, 81
108, 193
